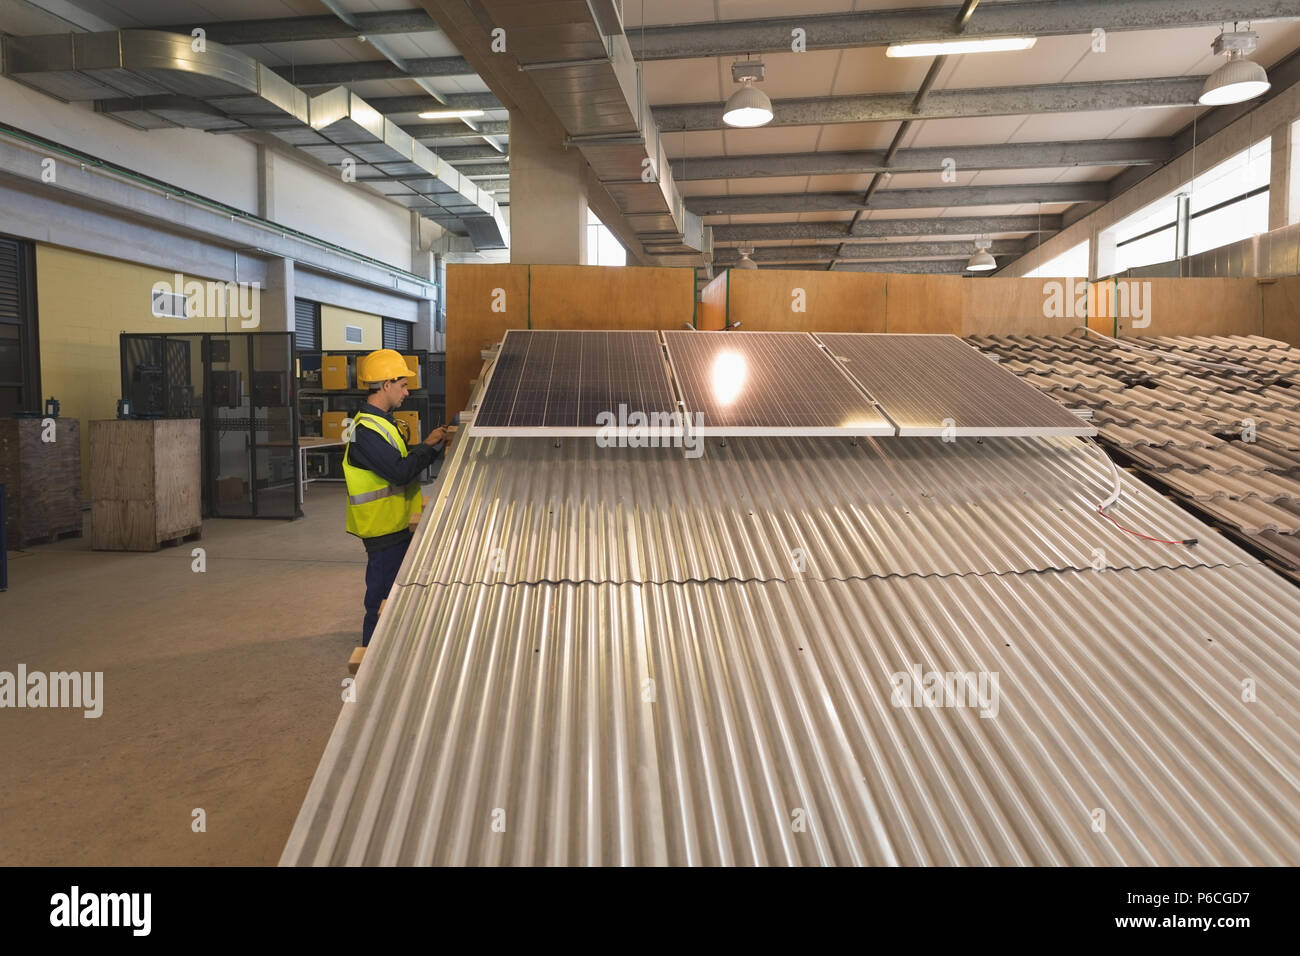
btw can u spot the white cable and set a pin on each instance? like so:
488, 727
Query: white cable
1114, 474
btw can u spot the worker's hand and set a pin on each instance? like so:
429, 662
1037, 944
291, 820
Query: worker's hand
437, 436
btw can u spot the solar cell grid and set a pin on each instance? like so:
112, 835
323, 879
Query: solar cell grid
767, 383
559, 382
928, 384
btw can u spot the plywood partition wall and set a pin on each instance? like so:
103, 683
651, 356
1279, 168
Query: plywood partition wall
1189, 307
711, 314
790, 300
605, 297
483, 302
920, 303
1280, 301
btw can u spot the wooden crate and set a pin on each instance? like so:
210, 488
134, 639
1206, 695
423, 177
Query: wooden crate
145, 483
42, 478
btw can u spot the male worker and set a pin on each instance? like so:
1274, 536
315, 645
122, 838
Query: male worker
381, 472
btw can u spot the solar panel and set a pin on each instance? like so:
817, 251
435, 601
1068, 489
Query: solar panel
767, 383
939, 385
558, 383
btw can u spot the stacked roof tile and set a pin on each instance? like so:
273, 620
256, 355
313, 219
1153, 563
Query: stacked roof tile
1213, 420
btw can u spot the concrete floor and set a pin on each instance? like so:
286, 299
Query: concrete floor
220, 690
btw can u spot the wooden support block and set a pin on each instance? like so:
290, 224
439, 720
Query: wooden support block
354, 662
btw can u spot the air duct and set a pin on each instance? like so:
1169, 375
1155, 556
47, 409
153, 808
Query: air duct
152, 79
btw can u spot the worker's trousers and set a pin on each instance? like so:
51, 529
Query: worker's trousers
381, 572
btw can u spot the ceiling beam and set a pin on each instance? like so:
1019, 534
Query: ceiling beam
951, 104
942, 196
469, 155
390, 105
1107, 152
320, 74
879, 28
885, 228
870, 251
456, 129
488, 171
294, 29
920, 266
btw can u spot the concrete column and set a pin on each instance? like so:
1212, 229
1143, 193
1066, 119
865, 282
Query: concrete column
277, 297
265, 183
548, 206
1283, 198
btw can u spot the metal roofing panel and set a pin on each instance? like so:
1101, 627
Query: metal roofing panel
771, 723
521, 510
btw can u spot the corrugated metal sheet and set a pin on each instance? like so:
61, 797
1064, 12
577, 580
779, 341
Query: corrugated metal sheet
516, 724
529, 511
645, 677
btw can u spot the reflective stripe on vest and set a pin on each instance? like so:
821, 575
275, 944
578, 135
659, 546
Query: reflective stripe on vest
362, 498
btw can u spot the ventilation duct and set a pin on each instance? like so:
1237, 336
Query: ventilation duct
596, 93
152, 79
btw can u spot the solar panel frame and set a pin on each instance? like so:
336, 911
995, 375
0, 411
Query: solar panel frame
785, 364
553, 383
921, 380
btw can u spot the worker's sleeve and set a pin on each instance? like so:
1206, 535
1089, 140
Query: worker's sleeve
371, 451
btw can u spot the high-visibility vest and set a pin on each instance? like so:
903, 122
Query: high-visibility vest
374, 506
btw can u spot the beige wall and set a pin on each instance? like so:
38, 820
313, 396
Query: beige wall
83, 302
332, 322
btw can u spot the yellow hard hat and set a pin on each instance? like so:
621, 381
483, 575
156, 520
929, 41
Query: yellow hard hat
380, 366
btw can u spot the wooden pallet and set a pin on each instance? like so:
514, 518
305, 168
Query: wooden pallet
48, 538
194, 534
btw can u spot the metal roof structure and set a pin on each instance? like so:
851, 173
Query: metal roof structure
816, 651
872, 162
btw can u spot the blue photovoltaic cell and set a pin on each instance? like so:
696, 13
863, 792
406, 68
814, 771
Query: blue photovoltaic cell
561, 381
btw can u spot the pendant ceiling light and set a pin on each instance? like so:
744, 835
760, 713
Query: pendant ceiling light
746, 262
1239, 79
982, 261
748, 106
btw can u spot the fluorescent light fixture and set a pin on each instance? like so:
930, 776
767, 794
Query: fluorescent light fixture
953, 47
451, 114
1239, 79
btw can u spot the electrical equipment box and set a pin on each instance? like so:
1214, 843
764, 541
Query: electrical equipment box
408, 426
334, 371
269, 388
227, 390
413, 363
332, 425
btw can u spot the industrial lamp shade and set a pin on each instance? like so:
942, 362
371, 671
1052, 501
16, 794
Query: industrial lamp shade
982, 261
747, 107
1236, 81
746, 263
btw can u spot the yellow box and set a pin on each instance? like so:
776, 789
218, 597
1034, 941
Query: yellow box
334, 371
413, 363
331, 424
411, 434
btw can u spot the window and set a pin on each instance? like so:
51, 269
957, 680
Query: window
1230, 201
170, 305
1073, 263
602, 248
1147, 236
397, 335
306, 325
20, 367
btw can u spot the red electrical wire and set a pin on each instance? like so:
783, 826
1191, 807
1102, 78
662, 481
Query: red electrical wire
1189, 541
